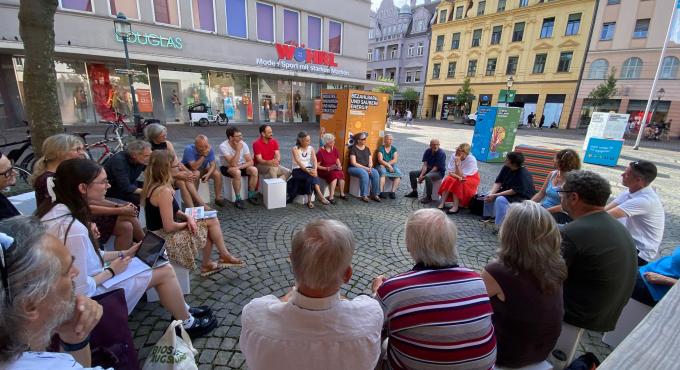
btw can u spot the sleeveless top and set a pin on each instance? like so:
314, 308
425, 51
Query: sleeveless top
153, 213
552, 197
387, 156
161, 146
305, 158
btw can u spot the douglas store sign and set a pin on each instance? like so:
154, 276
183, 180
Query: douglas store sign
302, 59
152, 39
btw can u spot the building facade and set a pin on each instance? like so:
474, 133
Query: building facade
540, 44
628, 37
398, 47
256, 61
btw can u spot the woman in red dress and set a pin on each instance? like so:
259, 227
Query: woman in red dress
462, 179
330, 167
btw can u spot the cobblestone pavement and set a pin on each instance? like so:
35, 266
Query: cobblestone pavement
262, 237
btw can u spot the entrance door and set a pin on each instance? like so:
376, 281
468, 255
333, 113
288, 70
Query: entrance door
435, 102
528, 109
172, 112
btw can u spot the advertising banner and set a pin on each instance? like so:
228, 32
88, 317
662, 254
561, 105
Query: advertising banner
486, 118
144, 103
606, 126
495, 133
604, 152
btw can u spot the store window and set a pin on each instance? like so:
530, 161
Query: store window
314, 32
79, 5
231, 93
181, 90
265, 22
291, 27
166, 12
290, 101
203, 12
335, 37
237, 16
111, 91
128, 7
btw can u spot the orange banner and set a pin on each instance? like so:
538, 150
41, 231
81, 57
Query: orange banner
144, 103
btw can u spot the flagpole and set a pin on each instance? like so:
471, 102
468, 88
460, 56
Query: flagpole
656, 78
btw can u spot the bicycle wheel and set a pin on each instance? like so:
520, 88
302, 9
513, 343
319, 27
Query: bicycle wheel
203, 122
28, 162
22, 177
114, 131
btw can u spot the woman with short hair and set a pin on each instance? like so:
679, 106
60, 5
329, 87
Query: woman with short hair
305, 179
330, 167
462, 179
387, 166
361, 167
565, 160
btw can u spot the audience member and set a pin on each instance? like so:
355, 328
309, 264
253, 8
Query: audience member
640, 210
268, 156
565, 160
437, 313
433, 169
330, 167
55, 149
8, 177
199, 158
313, 327
305, 180
387, 167
183, 235
599, 253
462, 179
361, 167
656, 278
123, 168
38, 301
513, 184
525, 286
236, 163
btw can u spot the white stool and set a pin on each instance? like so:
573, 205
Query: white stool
355, 186
178, 198
302, 199
274, 193
24, 203
567, 343
142, 217
183, 277
204, 191
633, 312
228, 189
325, 189
435, 189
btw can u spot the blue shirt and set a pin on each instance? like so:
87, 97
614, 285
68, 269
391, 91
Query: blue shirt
191, 155
666, 266
552, 197
437, 159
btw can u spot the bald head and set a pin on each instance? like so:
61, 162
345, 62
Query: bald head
201, 143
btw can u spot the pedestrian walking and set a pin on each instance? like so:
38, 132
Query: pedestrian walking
409, 117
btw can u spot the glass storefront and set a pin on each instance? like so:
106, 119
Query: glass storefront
289, 101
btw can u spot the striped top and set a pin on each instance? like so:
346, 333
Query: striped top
438, 319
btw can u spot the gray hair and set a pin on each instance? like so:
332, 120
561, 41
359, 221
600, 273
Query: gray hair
152, 131
137, 146
388, 135
321, 253
431, 238
201, 137
592, 188
327, 137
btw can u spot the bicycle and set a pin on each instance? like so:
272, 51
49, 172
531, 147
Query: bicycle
107, 152
119, 127
23, 164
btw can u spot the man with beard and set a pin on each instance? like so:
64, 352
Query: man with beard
38, 300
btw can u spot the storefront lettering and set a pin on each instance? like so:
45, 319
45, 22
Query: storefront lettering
153, 40
284, 64
303, 55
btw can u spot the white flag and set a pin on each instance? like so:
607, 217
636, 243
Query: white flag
675, 28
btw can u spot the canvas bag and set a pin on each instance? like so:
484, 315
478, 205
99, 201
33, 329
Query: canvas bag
172, 352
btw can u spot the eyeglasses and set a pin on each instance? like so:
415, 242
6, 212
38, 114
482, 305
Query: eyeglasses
561, 191
9, 173
102, 182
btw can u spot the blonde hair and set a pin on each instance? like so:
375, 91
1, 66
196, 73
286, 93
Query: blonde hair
54, 148
464, 147
157, 173
431, 238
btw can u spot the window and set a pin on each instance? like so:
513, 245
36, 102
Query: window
491, 66
459, 12
598, 69
81, 5
417, 77
409, 76
440, 43
410, 49
511, 68
265, 21
420, 49
165, 11
368, 75
370, 55
608, 31
496, 34
442, 16
314, 32
631, 68
203, 15
435, 70
565, 61
393, 53
573, 24
480, 7
641, 28
127, 7
291, 27
523, 3
335, 37
472, 68
539, 63
455, 41
451, 73
547, 28
669, 68
518, 32
476, 37
501, 6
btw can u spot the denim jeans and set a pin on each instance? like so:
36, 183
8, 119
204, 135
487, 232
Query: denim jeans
498, 208
365, 179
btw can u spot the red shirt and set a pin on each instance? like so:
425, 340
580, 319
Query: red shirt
266, 150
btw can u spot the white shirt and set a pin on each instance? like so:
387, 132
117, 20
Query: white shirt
645, 220
46, 360
227, 150
305, 157
311, 333
468, 166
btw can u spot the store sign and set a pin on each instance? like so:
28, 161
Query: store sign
153, 40
510, 96
302, 59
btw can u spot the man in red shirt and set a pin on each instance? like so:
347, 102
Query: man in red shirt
267, 155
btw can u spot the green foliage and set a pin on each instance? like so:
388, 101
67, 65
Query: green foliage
465, 95
603, 91
392, 89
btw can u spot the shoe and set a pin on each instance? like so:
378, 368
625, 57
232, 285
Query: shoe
201, 326
392, 195
221, 202
426, 200
254, 201
383, 195
332, 201
211, 268
239, 204
198, 312
230, 261
452, 212
412, 194
375, 198
364, 199
485, 219
343, 196
324, 201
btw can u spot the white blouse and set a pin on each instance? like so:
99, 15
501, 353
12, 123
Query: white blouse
468, 166
305, 157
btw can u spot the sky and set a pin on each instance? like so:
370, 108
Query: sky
376, 3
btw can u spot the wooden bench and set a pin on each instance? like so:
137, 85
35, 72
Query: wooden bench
539, 161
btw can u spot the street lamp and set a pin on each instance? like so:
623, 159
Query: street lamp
123, 29
507, 91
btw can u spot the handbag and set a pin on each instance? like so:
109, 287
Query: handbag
476, 205
172, 352
111, 341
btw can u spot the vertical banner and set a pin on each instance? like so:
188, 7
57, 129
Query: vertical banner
144, 103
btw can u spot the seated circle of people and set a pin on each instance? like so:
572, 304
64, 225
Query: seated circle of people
123, 169
184, 236
330, 167
267, 155
525, 286
199, 158
640, 210
114, 218
361, 167
432, 169
565, 160
461, 180
305, 177
513, 184
8, 178
387, 158
236, 163
313, 327
438, 314
656, 278
77, 182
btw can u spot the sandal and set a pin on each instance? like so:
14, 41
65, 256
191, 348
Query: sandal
231, 261
452, 212
364, 199
343, 196
211, 268
324, 201
310, 205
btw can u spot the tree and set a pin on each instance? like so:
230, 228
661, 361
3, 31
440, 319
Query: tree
465, 95
604, 91
392, 89
36, 27
410, 96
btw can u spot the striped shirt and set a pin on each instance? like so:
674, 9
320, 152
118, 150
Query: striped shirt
438, 319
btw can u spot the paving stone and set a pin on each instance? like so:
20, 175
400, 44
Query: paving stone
207, 356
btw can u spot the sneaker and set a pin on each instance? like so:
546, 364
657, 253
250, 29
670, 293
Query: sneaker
200, 311
201, 326
426, 200
221, 202
239, 204
383, 195
412, 194
254, 201
392, 195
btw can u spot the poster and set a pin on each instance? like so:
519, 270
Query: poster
495, 133
604, 152
607, 126
144, 103
486, 118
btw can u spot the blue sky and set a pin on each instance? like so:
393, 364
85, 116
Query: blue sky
376, 3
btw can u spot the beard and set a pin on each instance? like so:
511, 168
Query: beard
63, 312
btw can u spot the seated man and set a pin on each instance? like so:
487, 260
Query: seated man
237, 162
438, 313
433, 169
640, 210
199, 157
268, 156
313, 327
657, 278
8, 177
38, 301
513, 184
124, 168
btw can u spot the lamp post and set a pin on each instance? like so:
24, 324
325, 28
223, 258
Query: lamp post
659, 95
508, 84
123, 29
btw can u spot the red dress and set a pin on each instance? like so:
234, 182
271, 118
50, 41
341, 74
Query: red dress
464, 190
327, 159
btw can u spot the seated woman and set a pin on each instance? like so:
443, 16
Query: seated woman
462, 179
565, 160
77, 182
118, 219
525, 286
183, 178
330, 167
387, 167
304, 177
361, 166
657, 278
183, 235
513, 184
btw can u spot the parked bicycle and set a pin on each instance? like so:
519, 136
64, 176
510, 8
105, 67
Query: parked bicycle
22, 158
100, 151
121, 127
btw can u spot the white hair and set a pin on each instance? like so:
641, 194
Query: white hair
431, 238
152, 131
327, 137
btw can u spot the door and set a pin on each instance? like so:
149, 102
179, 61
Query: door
173, 112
